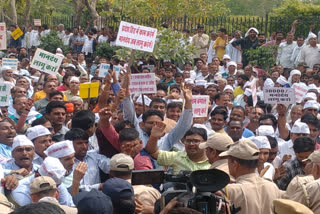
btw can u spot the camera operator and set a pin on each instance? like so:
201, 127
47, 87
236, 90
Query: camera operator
250, 193
192, 159
216, 144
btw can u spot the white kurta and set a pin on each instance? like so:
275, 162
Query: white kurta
285, 51
234, 53
211, 52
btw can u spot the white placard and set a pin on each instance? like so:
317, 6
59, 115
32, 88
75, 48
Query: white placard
37, 22
136, 36
46, 62
117, 69
254, 92
200, 105
103, 70
4, 94
143, 83
3, 36
277, 95
301, 89
12, 63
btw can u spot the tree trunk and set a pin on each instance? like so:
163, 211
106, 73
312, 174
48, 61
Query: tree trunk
27, 13
14, 17
79, 6
92, 8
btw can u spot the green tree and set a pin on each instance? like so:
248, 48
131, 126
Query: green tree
296, 8
169, 9
104, 49
51, 42
264, 56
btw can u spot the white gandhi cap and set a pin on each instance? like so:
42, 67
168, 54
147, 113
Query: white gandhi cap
21, 140
37, 131
60, 149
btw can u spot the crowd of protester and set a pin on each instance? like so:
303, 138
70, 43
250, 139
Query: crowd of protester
60, 153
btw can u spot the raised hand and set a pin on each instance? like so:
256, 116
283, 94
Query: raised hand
80, 171
105, 114
281, 109
158, 129
187, 91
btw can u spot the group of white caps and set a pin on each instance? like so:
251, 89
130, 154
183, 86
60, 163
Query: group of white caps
51, 166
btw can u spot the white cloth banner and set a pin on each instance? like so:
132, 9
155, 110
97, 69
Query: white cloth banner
278, 95
143, 83
200, 105
12, 63
3, 36
136, 36
46, 62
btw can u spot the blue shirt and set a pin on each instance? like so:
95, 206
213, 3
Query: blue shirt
168, 83
95, 161
5, 150
11, 165
247, 133
166, 142
22, 193
37, 160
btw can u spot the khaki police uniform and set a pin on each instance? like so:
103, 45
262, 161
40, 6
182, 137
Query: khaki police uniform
283, 206
220, 142
250, 192
309, 192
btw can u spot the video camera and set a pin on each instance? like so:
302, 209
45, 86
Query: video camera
199, 190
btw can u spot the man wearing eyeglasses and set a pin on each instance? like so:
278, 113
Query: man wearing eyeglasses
192, 159
23, 154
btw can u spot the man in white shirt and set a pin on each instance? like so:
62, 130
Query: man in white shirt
285, 51
104, 37
44, 30
298, 129
296, 53
35, 37
200, 41
67, 37
61, 32
310, 54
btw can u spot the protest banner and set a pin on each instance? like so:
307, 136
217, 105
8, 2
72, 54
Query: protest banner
37, 22
200, 105
143, 83
89, 90
12, 63
16, 33
254, 92
301, 89
46, 62
278, 95
136, 36
3, 36
103, 70
4, 94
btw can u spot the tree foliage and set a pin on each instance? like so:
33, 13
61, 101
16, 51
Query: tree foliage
51, 42
104, 49
170, 45
296, 8
264, 56
252, 7
172, 8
